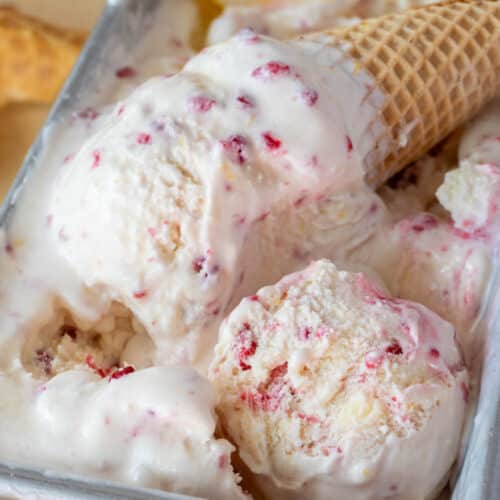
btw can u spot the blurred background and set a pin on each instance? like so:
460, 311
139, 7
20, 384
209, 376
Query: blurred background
22, 116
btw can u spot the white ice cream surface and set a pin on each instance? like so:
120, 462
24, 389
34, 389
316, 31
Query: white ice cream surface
281, 21
471, 192
286, 20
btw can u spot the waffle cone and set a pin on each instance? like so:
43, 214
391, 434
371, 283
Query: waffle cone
436, 66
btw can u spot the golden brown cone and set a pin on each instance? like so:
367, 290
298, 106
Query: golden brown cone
34, 58
436, 65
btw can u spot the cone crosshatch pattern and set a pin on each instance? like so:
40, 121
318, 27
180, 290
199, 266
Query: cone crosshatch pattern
437, 66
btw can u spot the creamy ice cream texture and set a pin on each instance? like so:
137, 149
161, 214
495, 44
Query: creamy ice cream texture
332, 389
155, 209
193, 192
281, 21
152, 428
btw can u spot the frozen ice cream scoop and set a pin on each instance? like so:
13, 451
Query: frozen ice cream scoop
152, 428
431, 261
156, 209
332, 389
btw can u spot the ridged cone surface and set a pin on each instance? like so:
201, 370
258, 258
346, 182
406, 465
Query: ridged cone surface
437, 65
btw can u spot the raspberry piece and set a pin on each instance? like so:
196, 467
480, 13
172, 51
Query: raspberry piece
424, 222
121, 372
373, 360
96, 157
348, 143
394, 348
305, 333
298, 202
143, 138
87, 114
247, 346
245, 102
125, 72
236, 147
201, 103
248, 35
310, 419
271, 70
465, 391
198, 264
271, 141
434, 353
102, 372
269, 395
310, 96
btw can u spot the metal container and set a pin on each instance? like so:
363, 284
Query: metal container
121, 30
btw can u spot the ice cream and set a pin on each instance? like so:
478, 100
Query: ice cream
151, 427
331, 388
281, 21
471, 192
156, 208
77, 394
154, 216
425, 258
285, 20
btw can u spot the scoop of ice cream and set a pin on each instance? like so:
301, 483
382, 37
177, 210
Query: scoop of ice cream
280, 21
428, 260
332, 389
154, 210
150, 428
471, 192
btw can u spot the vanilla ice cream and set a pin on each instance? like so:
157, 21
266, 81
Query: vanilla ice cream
331, 388
281, 21
155, 209
424, 258
152, 427
471, 192
153, 216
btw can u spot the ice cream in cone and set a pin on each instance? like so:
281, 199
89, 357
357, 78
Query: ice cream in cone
435, 66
